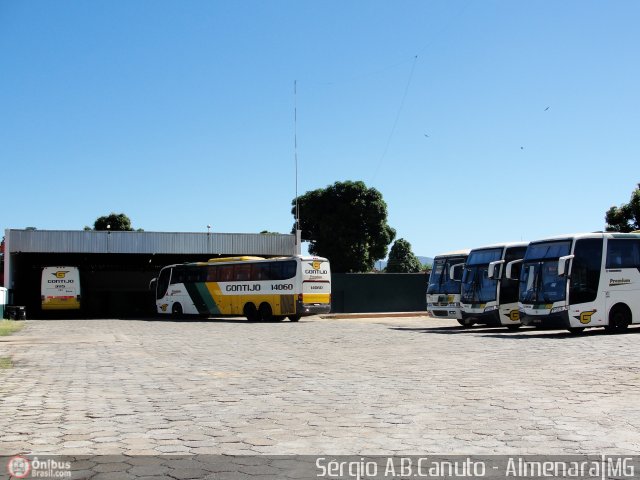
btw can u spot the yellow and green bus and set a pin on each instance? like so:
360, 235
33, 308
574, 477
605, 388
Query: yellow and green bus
257, 288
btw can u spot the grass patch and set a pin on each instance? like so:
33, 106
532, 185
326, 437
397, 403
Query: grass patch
5, 363
7, 327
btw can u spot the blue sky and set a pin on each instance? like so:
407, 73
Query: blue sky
479, 121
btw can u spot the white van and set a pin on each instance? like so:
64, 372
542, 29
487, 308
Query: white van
60, 288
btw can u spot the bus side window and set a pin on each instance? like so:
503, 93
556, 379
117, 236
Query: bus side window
623, 253
275, 271
288, 270
202, 275
242, 273
177, 276
283, 270
226, 273
632, 257
212, 274
260, 271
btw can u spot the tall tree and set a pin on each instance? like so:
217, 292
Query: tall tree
402, 259
625, 218
116, 222
346, 223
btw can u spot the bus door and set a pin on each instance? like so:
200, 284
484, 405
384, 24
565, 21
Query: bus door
622, 274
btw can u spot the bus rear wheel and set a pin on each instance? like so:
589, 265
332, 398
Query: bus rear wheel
265, 312
250, 312
575, 330
619, 320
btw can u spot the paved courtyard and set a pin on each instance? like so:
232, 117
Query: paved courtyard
352, 386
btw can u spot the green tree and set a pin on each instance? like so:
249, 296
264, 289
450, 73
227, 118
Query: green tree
402, 259
116, 221
346, 223
625, 218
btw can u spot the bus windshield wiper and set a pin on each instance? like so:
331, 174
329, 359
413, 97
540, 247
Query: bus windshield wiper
537, 282
475, 285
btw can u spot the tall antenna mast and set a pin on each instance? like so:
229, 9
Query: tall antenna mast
295, 145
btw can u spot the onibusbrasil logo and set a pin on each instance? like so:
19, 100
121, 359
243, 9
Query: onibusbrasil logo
23, 467
19, 467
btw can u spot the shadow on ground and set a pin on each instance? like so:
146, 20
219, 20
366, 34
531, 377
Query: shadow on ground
504, 333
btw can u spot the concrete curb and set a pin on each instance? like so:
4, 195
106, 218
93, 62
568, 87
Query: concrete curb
344, 316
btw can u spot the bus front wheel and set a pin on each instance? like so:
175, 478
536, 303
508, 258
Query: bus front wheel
176, 310
466, 323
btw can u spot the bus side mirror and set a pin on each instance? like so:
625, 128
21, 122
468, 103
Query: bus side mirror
509, 271
493, 271
152, 284
453, 271
563, 265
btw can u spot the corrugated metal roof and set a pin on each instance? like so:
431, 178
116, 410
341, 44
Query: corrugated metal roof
72, 241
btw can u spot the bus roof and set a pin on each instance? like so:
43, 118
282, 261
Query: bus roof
234, 259
576, 236
501, 245
241, 259
455, 253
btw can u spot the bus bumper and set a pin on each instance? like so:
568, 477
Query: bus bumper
491, 319
552, 321
443, 312
312, 308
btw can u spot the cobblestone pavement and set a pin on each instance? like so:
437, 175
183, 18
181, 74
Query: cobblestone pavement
351, 386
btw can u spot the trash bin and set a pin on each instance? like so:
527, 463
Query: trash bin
3, 301
15, 312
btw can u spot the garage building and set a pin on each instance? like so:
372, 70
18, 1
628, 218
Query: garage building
116, 267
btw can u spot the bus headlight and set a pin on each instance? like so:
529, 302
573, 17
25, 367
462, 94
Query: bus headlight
559, 309
491, 308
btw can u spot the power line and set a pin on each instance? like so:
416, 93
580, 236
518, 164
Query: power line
395, 123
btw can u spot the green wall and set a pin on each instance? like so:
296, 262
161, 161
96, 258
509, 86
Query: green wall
382, 292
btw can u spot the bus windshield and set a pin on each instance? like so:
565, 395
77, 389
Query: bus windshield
477, 287
439, 281
539, 280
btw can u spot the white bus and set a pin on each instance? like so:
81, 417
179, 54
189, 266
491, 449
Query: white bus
582, 280
254, 287
60, 288
443, 292
486, 296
